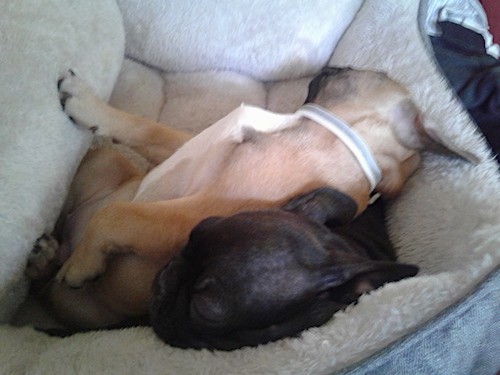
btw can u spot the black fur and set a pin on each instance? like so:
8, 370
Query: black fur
260, 276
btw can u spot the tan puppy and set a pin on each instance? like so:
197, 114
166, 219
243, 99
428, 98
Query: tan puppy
124, 225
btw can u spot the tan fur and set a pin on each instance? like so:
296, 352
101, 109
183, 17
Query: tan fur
127, 241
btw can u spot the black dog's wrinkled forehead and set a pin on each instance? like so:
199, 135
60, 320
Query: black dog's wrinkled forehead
271, 234
259, 276
291, 231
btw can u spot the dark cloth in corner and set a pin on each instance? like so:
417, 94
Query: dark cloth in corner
474, 75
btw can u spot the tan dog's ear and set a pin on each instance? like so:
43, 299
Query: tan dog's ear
437, 143
414, 133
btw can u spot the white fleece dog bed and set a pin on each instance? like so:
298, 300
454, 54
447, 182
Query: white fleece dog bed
39, 149
447, 220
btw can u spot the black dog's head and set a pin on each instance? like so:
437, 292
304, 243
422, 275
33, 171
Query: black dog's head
260, 276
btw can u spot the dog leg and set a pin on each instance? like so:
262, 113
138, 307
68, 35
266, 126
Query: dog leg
154, 141
43, 259
154, 231
79, 308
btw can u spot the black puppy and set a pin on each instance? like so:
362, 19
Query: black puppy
260, 276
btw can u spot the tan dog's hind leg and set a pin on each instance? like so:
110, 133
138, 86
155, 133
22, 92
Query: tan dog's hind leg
154, 141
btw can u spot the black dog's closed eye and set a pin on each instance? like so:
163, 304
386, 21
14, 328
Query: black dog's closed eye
260, 276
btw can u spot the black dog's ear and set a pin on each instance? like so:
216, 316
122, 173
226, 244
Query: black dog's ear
322, 205
364, 277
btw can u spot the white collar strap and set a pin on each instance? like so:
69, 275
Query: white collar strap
350, 138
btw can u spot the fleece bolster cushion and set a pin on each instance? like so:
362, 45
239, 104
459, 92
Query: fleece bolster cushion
39, 147
267, 40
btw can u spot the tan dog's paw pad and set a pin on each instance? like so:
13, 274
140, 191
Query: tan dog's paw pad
42, 261
77, 270
77, 100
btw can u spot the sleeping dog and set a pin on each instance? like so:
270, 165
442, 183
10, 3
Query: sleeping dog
259, 276
122, 226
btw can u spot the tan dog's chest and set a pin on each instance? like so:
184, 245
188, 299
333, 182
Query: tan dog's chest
266, 167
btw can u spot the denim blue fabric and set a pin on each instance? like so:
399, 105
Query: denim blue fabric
462, 340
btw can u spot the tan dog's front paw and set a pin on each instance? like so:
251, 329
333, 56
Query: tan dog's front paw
78, 100
79, 269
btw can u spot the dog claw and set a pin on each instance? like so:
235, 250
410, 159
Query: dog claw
64, 96
60, 80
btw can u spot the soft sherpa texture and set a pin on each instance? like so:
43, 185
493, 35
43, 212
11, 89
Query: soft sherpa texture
187, 36
446, 221
194, 101
139, 90
39, 148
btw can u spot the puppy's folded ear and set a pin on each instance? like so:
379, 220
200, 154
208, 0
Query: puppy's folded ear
363, 277
416, 132
322, 205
